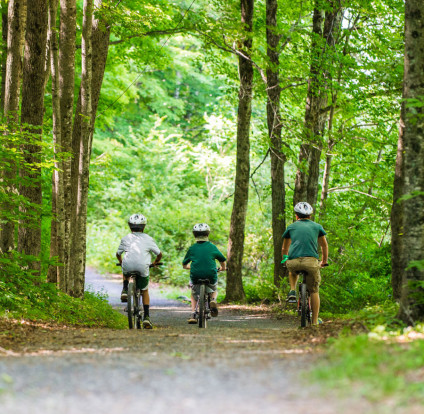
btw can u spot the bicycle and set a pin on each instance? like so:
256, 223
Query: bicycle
202, 309
304, 308
133, 308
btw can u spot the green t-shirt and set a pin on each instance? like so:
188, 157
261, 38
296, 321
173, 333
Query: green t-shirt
304, 238
202, 257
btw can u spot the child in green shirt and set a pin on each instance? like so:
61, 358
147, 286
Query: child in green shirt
200, 259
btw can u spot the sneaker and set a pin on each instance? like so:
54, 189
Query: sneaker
124, 295
291, 297
214, 308
147, 324
320, 322
192, 319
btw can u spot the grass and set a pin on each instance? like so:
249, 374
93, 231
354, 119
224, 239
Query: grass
44, 302
385, 363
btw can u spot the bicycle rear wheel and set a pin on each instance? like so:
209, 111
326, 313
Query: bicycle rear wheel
138, 311
202, 307
131, 305
303, 305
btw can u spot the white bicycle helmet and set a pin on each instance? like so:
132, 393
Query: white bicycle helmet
303, 208
137, 219
201, 227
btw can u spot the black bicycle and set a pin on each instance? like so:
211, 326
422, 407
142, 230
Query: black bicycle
304, 308
203, 310
133, 308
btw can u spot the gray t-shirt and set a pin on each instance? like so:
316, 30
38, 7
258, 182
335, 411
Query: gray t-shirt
137, 248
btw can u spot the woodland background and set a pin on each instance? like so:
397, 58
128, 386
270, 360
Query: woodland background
223, 112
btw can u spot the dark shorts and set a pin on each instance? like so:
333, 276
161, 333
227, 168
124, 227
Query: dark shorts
142, 282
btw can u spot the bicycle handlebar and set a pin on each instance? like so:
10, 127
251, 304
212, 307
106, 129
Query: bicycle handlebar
150, 265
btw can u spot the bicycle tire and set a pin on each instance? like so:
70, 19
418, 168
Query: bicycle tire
130, 306
202, 307
138, 311
303, 305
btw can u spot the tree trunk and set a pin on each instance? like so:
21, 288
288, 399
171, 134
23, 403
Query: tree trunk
56, 273
274, 132
306, 183
32, 112
412, 253
11, 107
80, 176
234, 290
67, 40
3, 52
396, 219
82, 142
328, 159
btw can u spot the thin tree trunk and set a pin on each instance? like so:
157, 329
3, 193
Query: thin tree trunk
412, 250
81, 174
306, 183
11, 107
4, 51
234, 290
274, 133
82, 138
328, 159
32, 112
56, 273
67, 41
396, 218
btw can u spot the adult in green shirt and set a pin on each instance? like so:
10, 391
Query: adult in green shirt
300, 252
200, 259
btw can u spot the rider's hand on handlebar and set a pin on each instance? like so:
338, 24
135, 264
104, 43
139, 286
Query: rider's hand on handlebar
322, 264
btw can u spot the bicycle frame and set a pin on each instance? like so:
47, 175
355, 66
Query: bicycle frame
133, 304
203, 303
304, 308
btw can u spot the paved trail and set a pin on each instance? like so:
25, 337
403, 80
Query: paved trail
245, 362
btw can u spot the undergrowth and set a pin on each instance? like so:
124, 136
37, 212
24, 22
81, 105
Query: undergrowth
385, 363
28, 298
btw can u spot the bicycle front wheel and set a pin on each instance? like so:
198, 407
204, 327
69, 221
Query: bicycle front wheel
303, 305
131, 305
202, 307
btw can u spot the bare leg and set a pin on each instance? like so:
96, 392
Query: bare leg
193, 303
315, 302
214, 295
145, 297
293, 280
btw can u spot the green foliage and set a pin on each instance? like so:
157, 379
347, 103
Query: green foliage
375, 368
24, 295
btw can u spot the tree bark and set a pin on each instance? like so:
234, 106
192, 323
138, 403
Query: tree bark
82, 150
306, 183
15, 28
82, 142
56, 273
274, 132
234, 290
4, 51
396, 216
67, 40
32, 112
412, 303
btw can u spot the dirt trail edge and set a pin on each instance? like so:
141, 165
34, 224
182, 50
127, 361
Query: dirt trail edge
246, 362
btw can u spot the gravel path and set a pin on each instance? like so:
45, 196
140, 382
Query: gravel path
244, 362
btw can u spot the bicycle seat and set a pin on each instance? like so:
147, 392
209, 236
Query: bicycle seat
203, 281
302, 272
